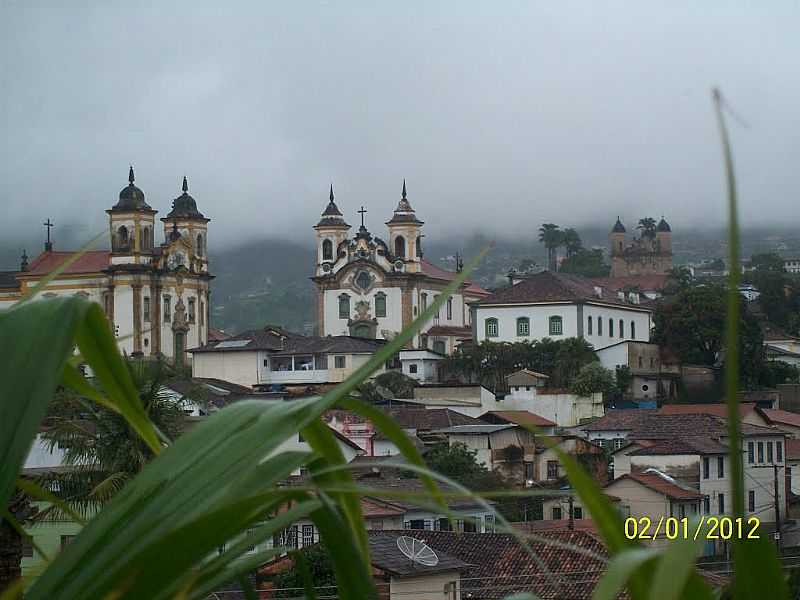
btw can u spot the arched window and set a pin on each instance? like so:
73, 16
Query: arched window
599, 326
621, 328
380, 304
122, 238
199, 247
400, 246
424, 300
523, 327
344, 306
419, 246
556, 326
589, 325
611, 328
439, 346
152, 237
492, 328
633, 330
327, 250
450, 308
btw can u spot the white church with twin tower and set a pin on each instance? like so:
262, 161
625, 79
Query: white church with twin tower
155, 296
369, 288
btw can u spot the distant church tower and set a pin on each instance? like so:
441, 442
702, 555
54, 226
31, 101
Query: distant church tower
650, 254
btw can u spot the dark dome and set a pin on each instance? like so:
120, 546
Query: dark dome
131, 197
663, 225
184, 206
618, 227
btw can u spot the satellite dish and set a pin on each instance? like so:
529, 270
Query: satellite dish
417, 551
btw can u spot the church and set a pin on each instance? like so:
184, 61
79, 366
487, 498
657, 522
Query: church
367, 287
155, 296
649, 254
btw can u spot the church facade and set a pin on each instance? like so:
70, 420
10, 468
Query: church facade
155, 296
367, 287
649, 254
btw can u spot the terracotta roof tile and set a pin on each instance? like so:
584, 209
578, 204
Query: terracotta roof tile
519, 417
643, 282
683, 445
783, 417
425, 419
92, 261
660, 484
435, 272
792, 449
715, 409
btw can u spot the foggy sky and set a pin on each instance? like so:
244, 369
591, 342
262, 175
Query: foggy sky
500, 115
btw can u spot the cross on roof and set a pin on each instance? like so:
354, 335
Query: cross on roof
362, 212
48, 245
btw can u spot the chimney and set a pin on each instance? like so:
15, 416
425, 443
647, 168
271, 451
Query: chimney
598, 291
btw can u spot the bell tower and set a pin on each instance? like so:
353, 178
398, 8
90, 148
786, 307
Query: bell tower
131, 222
405, 235
185, 219
331, 230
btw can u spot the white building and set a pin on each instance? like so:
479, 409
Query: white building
655, 372
156, 297
558, 306
421, 365
274, 356
373, 289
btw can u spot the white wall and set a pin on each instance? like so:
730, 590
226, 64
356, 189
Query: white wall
425, 587
393, 321
237, 367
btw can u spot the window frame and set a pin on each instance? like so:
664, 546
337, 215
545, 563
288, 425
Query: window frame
491, 327
344, 303
555, 325
327, 244
523, 327
380, 305
589, 325
339, 361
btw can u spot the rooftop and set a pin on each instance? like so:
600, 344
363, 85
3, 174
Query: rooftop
91, 261
282, 342
661, 483
519, 417
435, 272
555, 287
426, 419
682, 445
781, 417
385, 554
483, 429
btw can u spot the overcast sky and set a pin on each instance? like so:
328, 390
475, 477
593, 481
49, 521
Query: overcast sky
500, 115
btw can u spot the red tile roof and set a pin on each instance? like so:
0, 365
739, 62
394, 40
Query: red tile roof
519, 417
372, 508
643, 282
682, 445
91, 261
661, 485
465, 332
782, 417
555, 287
435, 272
716, 409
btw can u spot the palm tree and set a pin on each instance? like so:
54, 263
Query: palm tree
647, 226
101, 450
550, 235
572, 242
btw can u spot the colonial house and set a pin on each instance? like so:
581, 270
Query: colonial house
523, 418
559, 306
273, 356
506, 448
548, 468
421, 365
655, 371
786, 421
154, 296
693, 450
369, 288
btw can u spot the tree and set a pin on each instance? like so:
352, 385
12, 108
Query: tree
622, 380
767, 262
572, 355
387, 386
593, 378
587, 263
101, 449
458, 463
678, 279
310, 564
21, 510
550, 235
571, 241
647, 226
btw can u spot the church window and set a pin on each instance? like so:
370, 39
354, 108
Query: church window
363, 280
523, 327
199, 244
424, 301
611, 328
167, 309
492, 328
450, 309
633, 330
146, 309
380, 304
339, 362
122, 238
202, 313
439, 309
419, 246
599, 326
192, 311
621, 328
327, 250
400, 246
440, 347
556, 326
589, 325
344, 306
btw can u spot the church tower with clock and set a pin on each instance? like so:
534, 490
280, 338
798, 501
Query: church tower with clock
369, 288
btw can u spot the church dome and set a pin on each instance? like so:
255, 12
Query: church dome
131, 197
184, 206
663, 225
404, 213
618, 227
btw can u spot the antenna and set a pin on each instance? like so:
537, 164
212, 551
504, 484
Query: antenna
417, 551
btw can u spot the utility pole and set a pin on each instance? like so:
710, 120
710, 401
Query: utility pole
777, 509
